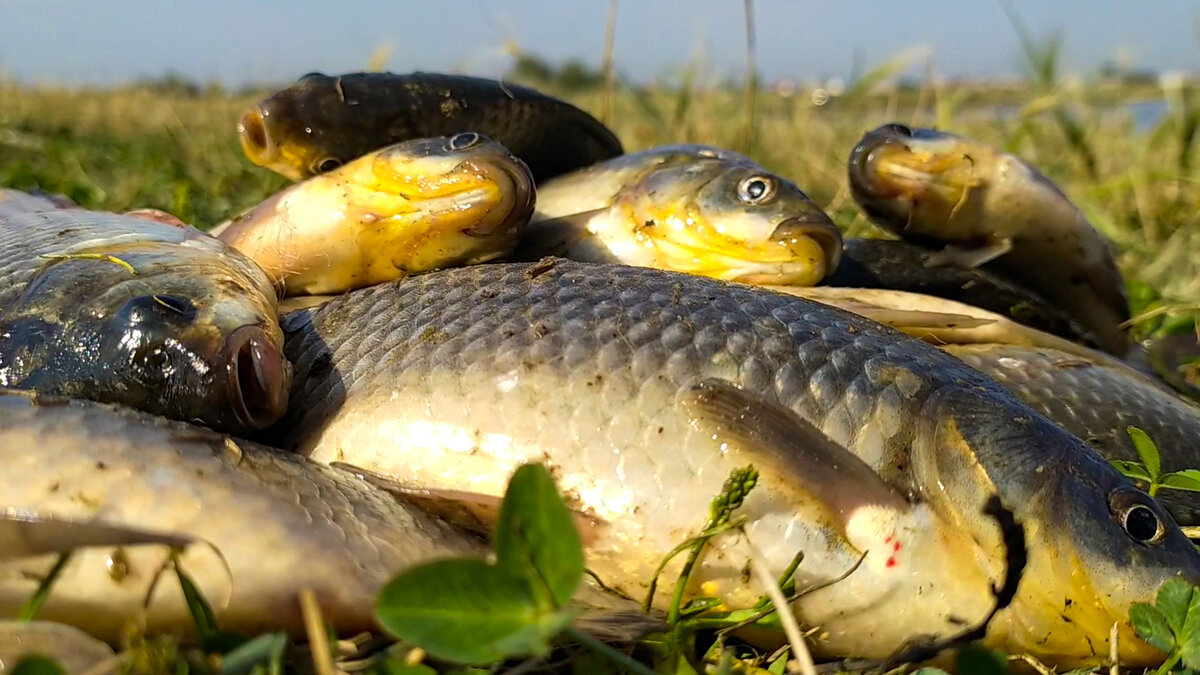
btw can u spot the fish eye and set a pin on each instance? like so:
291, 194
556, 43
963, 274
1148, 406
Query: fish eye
1135, 512
326, 164
464, 140
899, 129
756, 189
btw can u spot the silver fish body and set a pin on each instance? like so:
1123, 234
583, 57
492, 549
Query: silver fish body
643, 389
265, 523
1098, 404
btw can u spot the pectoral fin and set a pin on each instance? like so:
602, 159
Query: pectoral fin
472, 511
555, 236
792, 452
23, 535
969, 257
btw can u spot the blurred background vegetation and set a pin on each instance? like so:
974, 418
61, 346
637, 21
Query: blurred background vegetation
1121, 143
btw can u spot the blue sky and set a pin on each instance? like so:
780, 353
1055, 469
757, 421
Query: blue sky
103, 42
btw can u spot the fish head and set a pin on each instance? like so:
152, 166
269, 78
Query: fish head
721, 215
465, 184
914, 182
185, 330
1094, 543
306, 129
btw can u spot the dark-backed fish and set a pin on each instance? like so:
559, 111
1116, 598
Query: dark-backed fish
903, 266
991, 209
120, 309
322, 122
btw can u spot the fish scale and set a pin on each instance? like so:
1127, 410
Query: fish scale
281, 523
594, 370
1098, 404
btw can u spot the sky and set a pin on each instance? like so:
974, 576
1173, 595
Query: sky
240, 42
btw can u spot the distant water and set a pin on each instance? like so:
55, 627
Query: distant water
1145, 115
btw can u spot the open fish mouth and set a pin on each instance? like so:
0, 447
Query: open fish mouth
800, 252
890, 163
259, 145
257, 378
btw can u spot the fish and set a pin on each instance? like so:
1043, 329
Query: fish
16, 201
643, 390
903, 266
324, 121
992, 210
261, 525
1098, 403
688, 208
125, 310
407, 208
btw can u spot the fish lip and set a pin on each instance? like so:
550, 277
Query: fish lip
518, 203
818, 226
256, 140
863, 182
258, 378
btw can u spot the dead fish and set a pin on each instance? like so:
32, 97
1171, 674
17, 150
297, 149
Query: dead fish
324, 121
903, 266
408, 208
991, 209
255, 526
121, 309
687, 208
1098, 403
644, 389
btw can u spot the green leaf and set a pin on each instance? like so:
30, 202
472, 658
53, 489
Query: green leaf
264, 650
1174, 598
1188, 479
467, 611
1189, 636
37, 665
1151, 625
30, 609
202, 614
1133, 470
779, 665
1147, 450
536, 537
979, 661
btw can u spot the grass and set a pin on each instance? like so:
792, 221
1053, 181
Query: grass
178, 151
173, 150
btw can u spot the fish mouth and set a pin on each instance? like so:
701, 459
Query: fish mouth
890, 163
260, 146
257, 378
489, 195
800, 251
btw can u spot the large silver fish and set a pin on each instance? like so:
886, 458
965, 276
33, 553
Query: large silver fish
114, 484
643, 389
122, 309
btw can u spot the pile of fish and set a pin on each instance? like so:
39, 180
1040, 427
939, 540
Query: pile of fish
472, 275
